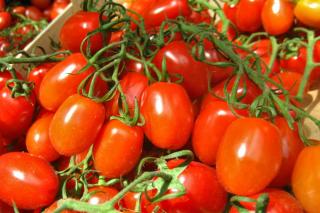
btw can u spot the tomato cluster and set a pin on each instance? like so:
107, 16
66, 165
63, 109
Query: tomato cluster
159, 107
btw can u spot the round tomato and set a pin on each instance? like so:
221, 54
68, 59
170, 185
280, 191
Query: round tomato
76, 124
33, 13
250, 154
19, 10
101, 194
308, 12
41, 4
57, 8
117, 139
28, 181
4, 47
2, 5
306, 178
38, 141
83, 22
230, 12
168, 115
5, 20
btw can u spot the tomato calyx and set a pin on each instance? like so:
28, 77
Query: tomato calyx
261, 203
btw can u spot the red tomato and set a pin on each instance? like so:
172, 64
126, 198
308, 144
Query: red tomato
249, 23
36, 75
209, 129
46, 14
306, 178
291, 147
5, 20
64, 77
76, 125
38, 142
4, 47
30, 182
19, 10
4, 142
101, 194
15, 113
250, 154
262, 47
2, 5
5, 76
117, 139
53, 207
83, 22
168, 115
277, 16
41, 4
200, 17
279, 202
231, 32
179, 60
34, 13
4, 207
134, 66
230, 11
57, 8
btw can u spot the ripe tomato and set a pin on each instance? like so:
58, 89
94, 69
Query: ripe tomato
230, 11
5, 20
33, 13
28, 181
179, 60
41, 4
2, 5
36, 75
101, 194
168, 115
4, 47
76, 125
83, 22
209, 129
307, 11
4, 207
277, 16
38, 142
279, 202
54, 206
117, 139
249, 23
57, 8
262, 47
15, 113
231, 32
250, 154
19, 10
291, 147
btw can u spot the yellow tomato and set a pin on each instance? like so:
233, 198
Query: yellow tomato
308, 12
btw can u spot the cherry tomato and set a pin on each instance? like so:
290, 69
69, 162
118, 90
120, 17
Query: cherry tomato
209, 129
200, 17
2, 5
84, 22
76, 125
277, 16
179, 60
4, 207
117, 139
230, 11
54, 206
41, 4
168, 115
57, 8
34, 13
291, 147
101, 194
307, 11
134, 66
19, 10
38, 141
5, 20
249, 23
250, 154
36, 75
231, 32
15, 113
262, 47
28, 181
4, 142
279, 202
4, 47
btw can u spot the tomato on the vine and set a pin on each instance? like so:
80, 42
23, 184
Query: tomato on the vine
5, 20
41, 4
57, 8
307, 11
2, 5
33, 13
4, 46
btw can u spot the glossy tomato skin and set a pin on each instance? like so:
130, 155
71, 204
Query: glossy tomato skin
279, 202
41, 4
249, 23
179, 60
38, 142
230, 12
209, 128
57, 8
34, 13
168, 115
5, 20
64, 77
15, 113
101, 194
277, 21
76, 125
4, 46
291, 147
28, 181
307, 12
305, 178
117, 139
82, 22
250, 154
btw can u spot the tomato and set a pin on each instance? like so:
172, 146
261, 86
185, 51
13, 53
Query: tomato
250, 154
36, 75
168, 115
41, 4
262, 47
231, 32
230, 11
76, 124
279, 202
117, 139
291, 147
200, 17
64, 77
57, 8
179, 60
19, 10
38, 141
307, 11
101, 194
4, 142
247, 23
5, 20
83, 22
134, 66
54, 206
46, 14
2, 5
209, 129
15, 113
132, 84
4, 47
34, 13
22, 35
277, 16
28, 181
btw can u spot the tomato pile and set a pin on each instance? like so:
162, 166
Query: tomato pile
20, 23
179, 106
